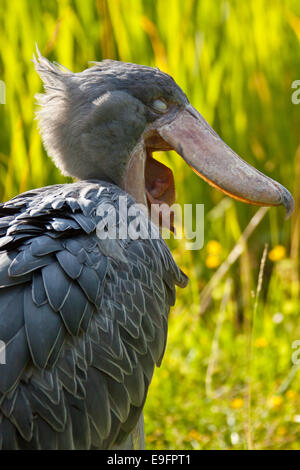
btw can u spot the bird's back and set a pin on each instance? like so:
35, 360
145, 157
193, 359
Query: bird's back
83, 318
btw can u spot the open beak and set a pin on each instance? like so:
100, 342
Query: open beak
205, 152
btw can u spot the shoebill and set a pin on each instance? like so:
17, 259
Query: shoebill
84, 317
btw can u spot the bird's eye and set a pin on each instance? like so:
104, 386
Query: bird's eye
159, 105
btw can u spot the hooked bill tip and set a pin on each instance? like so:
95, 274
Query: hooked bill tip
288, 202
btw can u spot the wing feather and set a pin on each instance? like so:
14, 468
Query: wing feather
84, 320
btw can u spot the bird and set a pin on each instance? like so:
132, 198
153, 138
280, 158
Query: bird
84, 314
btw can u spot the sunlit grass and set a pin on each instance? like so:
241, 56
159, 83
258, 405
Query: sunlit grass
236, 62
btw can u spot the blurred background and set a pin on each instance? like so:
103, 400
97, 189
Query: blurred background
228, 380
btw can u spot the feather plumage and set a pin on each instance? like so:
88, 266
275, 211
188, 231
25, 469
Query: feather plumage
81, 327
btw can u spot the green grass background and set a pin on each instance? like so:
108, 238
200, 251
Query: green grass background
227, 379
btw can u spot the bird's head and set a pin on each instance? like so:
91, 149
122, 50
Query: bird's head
106, 122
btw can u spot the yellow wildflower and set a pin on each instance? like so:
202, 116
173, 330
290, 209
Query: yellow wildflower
277, 253
276, 401
237, 403
212, 261
291, 394
261, 342
214, 247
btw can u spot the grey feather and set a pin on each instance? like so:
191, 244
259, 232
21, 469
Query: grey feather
57, 285
6, 260
74, 308
39, 295
90, 283
81, 325
69, 263
80, 423
98, 405
17, 357
42, 328
119, 399
25, 263
44, 245
11, 301
22, 416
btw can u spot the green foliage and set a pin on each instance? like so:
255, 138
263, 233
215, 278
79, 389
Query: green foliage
236, 61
